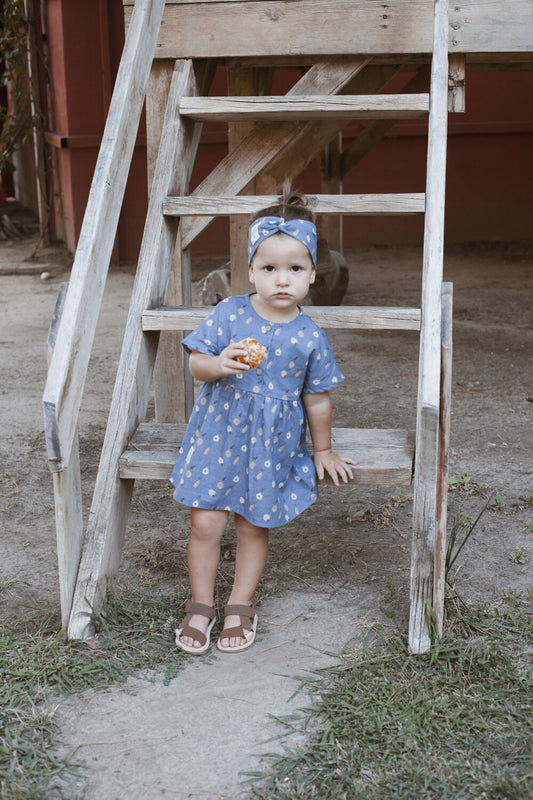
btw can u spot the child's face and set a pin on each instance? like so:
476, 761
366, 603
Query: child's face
282, 270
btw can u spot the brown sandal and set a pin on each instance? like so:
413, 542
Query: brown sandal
248, 623
186, 630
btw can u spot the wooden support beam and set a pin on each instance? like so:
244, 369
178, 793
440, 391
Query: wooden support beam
67, 497
439, 582
109, 509
331, 183
173, 383
241, 81
311, 137
456, 83
428, 402
68, 367
321, 27
287, 108
257, 150
194, 205
349, 317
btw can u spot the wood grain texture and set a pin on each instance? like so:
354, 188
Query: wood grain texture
344, 204
285, 109
429, 376
166, 318
203, 29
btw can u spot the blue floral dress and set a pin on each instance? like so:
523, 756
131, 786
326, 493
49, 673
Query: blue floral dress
244, 449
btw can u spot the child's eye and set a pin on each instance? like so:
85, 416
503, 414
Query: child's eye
296, 268
268, 268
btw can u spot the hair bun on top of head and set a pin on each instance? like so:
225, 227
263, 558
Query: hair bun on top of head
291, 205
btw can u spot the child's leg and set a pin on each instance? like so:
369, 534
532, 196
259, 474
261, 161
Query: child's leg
250, 560
207, 529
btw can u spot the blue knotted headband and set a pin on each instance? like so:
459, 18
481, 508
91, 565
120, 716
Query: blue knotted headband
301, 229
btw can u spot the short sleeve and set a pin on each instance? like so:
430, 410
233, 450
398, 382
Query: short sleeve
323, 373
211, 335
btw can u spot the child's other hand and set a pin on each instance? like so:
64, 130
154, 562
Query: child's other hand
326, 461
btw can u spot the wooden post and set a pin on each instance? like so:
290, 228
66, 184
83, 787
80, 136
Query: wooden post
331, 183
109, 510
173, 383
439, 585
456, 83
241, 81
67, 498
428, 402
156, 103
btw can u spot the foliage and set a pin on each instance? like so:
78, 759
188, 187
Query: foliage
16, 120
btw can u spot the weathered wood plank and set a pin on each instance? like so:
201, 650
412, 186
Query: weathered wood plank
285, 109
172, 384
439, 581
264, 143
202, 29
428, 402
329, 163
350, 317
67, 497
345, 204
242, 81
456, 84
383, 456
111, 498
68, 367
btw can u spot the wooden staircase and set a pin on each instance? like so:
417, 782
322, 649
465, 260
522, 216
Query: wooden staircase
333, 91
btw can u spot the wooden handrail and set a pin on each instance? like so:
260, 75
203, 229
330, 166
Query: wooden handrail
75, 335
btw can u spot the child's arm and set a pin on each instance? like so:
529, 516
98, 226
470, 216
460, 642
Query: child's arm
206, 367
318, 410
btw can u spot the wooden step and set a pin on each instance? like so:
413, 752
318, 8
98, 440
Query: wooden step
384, 457
183, 318
345, 204
306, 107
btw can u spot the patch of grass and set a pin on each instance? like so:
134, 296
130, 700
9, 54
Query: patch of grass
135, 637
452, 724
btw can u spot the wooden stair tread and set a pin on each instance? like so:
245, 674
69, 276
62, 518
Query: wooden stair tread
183, 318
384, 456
385, 203
306, 107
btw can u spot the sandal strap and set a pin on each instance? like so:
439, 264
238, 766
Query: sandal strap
246, 613
233, 633
201, 609
194, 633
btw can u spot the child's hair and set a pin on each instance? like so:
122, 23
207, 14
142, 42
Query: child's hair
292, 205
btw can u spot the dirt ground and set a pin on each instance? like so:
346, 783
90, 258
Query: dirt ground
332, 573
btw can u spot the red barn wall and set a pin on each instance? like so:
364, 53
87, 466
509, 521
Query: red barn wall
490, 150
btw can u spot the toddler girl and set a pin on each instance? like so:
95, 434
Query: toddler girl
244, 449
